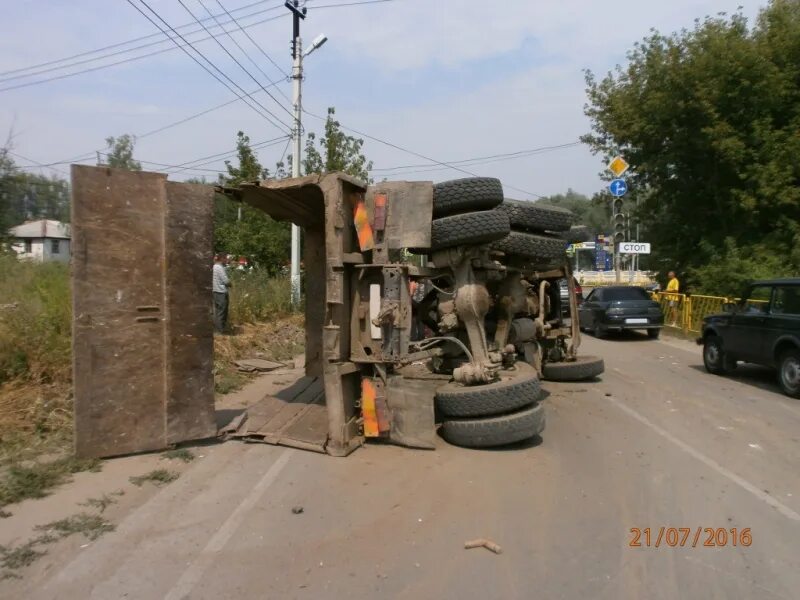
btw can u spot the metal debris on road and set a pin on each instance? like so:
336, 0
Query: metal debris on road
483, 542
297, 510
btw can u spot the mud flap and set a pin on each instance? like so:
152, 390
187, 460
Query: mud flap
411, 407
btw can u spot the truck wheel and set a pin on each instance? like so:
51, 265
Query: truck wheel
469, 194
789, 373
541, 248
468, 229
714, 357
532, 216
513, 391
585, 367
576, 233
495, 431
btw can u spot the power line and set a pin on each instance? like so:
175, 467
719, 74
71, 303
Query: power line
220, 155
241, 66
194, 116
125, 60
249, 37
487, 159
283, 155
343, 4
36, 164
190, 55
253, 62
3, 74
142, 46
418, 155
190, 165
87, 155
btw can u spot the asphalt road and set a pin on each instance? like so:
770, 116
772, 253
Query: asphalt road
656, 443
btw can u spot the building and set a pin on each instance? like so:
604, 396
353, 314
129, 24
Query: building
42, 240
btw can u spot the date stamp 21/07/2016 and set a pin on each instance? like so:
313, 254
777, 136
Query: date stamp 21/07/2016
682, 537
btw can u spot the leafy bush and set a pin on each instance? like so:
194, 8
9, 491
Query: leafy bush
35, 321
730, 269
257, 296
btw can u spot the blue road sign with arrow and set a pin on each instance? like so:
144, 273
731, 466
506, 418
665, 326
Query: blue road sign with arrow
618, 188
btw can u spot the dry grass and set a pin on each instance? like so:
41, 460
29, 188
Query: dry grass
24, 555
35, 350
37, 479
158, 477
182, 454
280, 340
257, 297
35, 358
34, 419
91, 526
103, 502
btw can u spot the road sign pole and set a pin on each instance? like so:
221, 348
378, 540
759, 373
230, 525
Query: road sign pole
616, 264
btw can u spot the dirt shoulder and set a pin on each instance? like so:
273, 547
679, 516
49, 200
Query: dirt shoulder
94, 502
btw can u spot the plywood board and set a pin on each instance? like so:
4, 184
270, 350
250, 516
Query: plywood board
142, 345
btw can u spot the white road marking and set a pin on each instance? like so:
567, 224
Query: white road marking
191, 576
709, 462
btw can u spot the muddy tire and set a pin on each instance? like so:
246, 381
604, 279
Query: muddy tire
576, 234
495, 431
532, 216
540, 248
469, 229
463, 195
513, 391
585, 367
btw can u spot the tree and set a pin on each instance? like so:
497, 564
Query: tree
27, 196
337, 152
708, 118
120, 153
264, 241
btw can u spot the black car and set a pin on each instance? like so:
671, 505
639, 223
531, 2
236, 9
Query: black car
763, 328
620, 307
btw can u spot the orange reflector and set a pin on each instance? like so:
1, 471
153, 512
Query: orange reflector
368, 408
363, 229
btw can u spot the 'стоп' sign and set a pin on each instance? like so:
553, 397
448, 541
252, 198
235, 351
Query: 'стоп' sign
634, 248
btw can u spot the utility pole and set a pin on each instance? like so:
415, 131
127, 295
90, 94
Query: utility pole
638, 239
297, 104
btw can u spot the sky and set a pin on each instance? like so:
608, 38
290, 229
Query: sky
447, 79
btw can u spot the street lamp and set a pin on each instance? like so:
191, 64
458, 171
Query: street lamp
297, 132
318, 41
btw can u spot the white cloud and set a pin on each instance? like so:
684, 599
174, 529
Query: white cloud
527, 106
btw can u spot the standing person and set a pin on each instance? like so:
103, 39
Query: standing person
673, 286
219, 288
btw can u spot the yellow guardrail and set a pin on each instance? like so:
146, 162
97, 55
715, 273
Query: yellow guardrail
687, 312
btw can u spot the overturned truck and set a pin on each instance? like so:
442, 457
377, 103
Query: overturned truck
425, 305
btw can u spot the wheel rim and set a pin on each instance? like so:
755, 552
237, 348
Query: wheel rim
712, 354
790, 373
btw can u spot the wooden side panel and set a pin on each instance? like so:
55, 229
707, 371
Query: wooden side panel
190, 334
142, 331
118, 310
